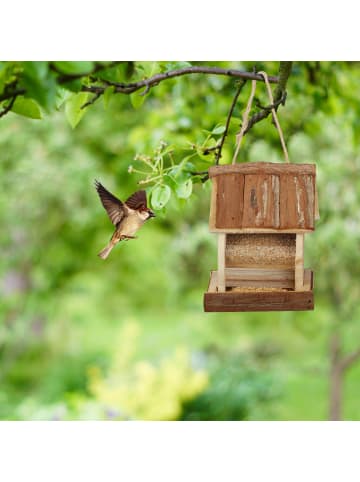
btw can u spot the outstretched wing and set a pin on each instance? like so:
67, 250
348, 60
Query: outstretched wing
137, 200
113, 206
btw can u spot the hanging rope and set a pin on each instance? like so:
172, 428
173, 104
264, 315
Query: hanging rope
245, 119
273, 111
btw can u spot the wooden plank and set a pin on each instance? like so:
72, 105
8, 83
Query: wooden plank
260, 230
299, 263
263, 168
221, 261
212, 217
261, 201
260, 250
297, 199
257, 278
229, 201
234, 301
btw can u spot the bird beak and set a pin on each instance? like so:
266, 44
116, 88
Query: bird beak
151, 214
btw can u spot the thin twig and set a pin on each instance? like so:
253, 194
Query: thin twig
92, 101
8, 107
350, 359
218, 152
284, 73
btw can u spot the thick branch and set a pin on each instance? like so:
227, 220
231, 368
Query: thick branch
123, 88
156, 79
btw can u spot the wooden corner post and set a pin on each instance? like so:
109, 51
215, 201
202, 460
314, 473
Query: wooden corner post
221, 262
299, 263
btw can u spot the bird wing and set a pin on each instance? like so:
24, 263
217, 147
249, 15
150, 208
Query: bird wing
137, 200
113, 206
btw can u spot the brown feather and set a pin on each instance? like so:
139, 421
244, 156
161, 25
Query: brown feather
113, 206
137, 200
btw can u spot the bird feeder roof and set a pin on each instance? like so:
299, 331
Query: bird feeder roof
263, 197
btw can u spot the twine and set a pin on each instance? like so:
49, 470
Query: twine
245, 120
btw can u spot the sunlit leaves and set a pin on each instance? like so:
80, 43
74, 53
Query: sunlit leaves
184, 189
27, 108
73, 108
160, 196
74, 67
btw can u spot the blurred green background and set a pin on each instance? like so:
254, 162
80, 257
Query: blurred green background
127, 339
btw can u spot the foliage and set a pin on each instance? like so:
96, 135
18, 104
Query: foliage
61, 307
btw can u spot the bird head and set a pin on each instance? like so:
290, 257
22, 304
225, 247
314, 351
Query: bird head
151, 213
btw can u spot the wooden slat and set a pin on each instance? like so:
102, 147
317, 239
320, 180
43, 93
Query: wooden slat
263, 168
257, 278
260, 250
261, 201
299, 263
234, 301
229, 201
260, 230
297, 199
221, 261
212, 217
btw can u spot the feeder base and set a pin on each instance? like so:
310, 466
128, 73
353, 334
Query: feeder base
259, 299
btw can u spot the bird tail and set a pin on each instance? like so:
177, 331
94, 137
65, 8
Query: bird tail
106, 251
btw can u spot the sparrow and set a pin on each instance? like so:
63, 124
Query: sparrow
127, 217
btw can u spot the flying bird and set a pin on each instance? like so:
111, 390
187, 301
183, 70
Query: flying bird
127, 217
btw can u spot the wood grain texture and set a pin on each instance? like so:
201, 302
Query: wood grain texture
259, 230
260, 250
232, 301
212, 216
297, 201
263, 168
260, 278
261, 200
229, 201
263, 197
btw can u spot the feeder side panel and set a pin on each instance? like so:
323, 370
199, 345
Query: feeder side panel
261, 201
229, 200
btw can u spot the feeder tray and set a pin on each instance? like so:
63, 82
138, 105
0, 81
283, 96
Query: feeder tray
261, 212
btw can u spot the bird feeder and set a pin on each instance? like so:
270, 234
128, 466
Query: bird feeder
261, 212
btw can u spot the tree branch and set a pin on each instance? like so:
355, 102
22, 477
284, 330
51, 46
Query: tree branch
349, 360
8, 107
280, 92
122, 88
63, 78
220, 146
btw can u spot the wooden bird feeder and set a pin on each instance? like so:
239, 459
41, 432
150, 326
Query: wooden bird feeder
260, 212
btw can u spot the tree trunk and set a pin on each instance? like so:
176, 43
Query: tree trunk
336, 378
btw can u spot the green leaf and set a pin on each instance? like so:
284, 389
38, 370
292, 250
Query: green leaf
184, 190
136, 99
73, 110
218, 130
74, 67
61, 96
160, 196
108, 93
43, 90
27, 108
37, 70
